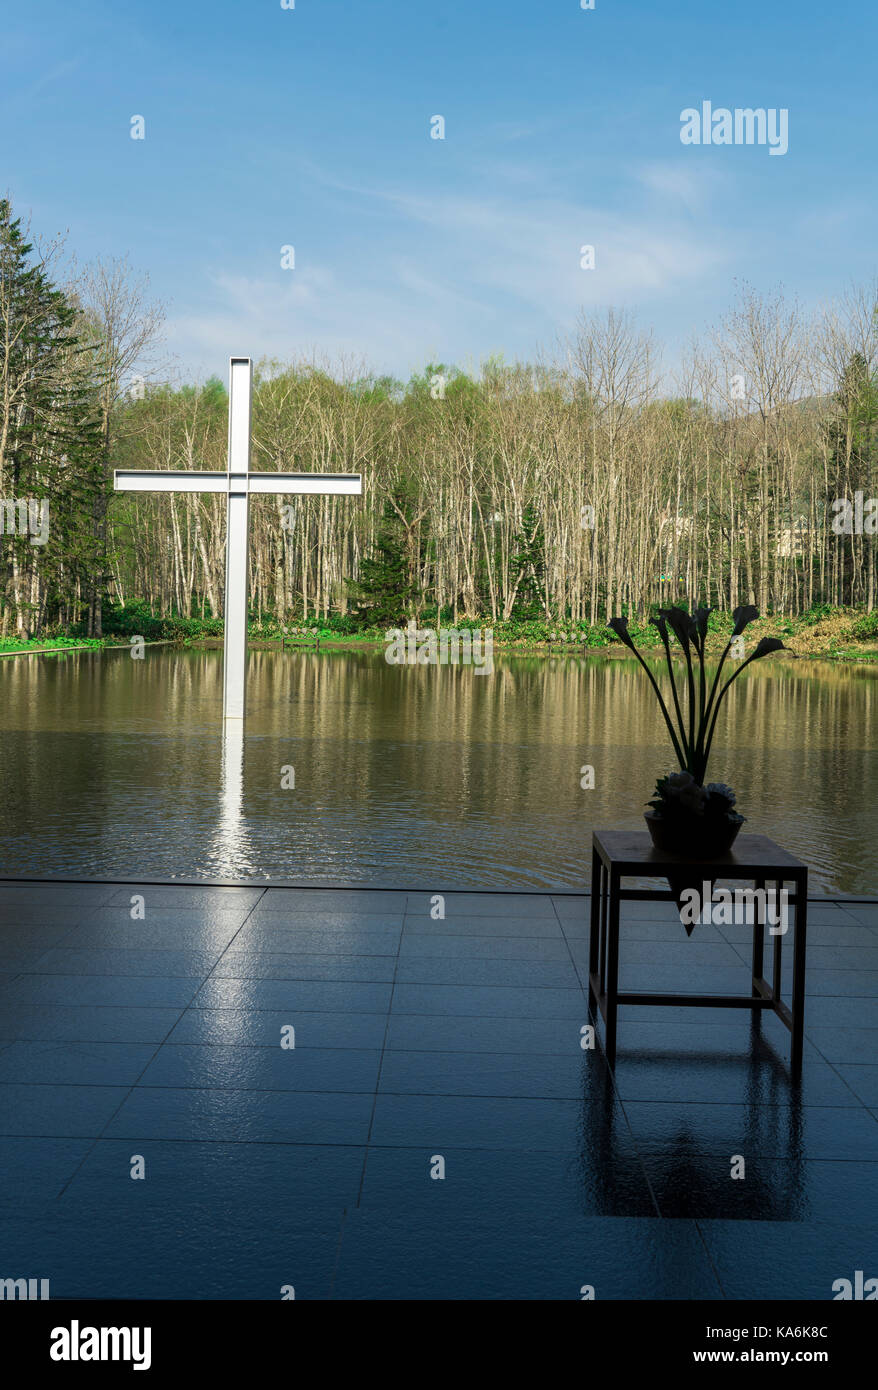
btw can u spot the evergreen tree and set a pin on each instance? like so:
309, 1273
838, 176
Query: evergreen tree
529, 566
48, 441
852, 433
387, 591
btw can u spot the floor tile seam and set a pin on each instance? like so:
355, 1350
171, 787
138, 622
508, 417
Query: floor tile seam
593, 1014
142, 1085
104, 1138
430, 1095
710, 1258
384, 1038
633, 1139
123, 1101
429, 984
794, 1106
832, 1066
238, 929
469, 1052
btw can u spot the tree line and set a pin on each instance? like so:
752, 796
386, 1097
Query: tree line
571, 488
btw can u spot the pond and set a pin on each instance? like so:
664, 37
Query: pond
407, 776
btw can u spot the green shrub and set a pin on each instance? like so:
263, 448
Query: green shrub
817, 613
866, 627
131, 620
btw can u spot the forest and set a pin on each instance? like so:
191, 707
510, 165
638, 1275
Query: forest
588, 483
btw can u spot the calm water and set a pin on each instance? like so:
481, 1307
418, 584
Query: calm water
407, 775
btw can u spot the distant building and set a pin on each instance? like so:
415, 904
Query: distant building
791, 539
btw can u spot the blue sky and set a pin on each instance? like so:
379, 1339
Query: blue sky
310, 127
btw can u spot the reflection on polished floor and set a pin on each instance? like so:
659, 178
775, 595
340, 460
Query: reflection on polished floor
155, 1043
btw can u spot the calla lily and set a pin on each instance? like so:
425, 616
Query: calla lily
693, 749
662, 624
701, 617
620, 627
743, 617
684, 629
680, 624
766, 646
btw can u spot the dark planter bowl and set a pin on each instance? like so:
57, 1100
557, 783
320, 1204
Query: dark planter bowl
692, 837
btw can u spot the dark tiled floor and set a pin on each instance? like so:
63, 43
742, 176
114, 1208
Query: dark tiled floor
696, 1170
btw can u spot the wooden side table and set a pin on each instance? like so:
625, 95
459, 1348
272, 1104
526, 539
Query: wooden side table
617, 854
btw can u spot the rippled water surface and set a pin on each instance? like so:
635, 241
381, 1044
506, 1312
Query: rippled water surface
407, 775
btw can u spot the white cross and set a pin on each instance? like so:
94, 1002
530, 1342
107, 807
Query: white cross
237, 482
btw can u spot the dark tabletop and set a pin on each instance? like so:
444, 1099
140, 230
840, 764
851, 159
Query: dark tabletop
632, 851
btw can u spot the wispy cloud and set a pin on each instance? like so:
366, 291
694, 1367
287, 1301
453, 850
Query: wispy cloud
693, 189
479, 259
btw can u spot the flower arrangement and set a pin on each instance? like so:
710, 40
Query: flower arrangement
678, 796
682, 804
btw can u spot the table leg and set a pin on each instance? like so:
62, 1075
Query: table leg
602, 954
777, 980
758, 942
612, 967
801, 930
597, 892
